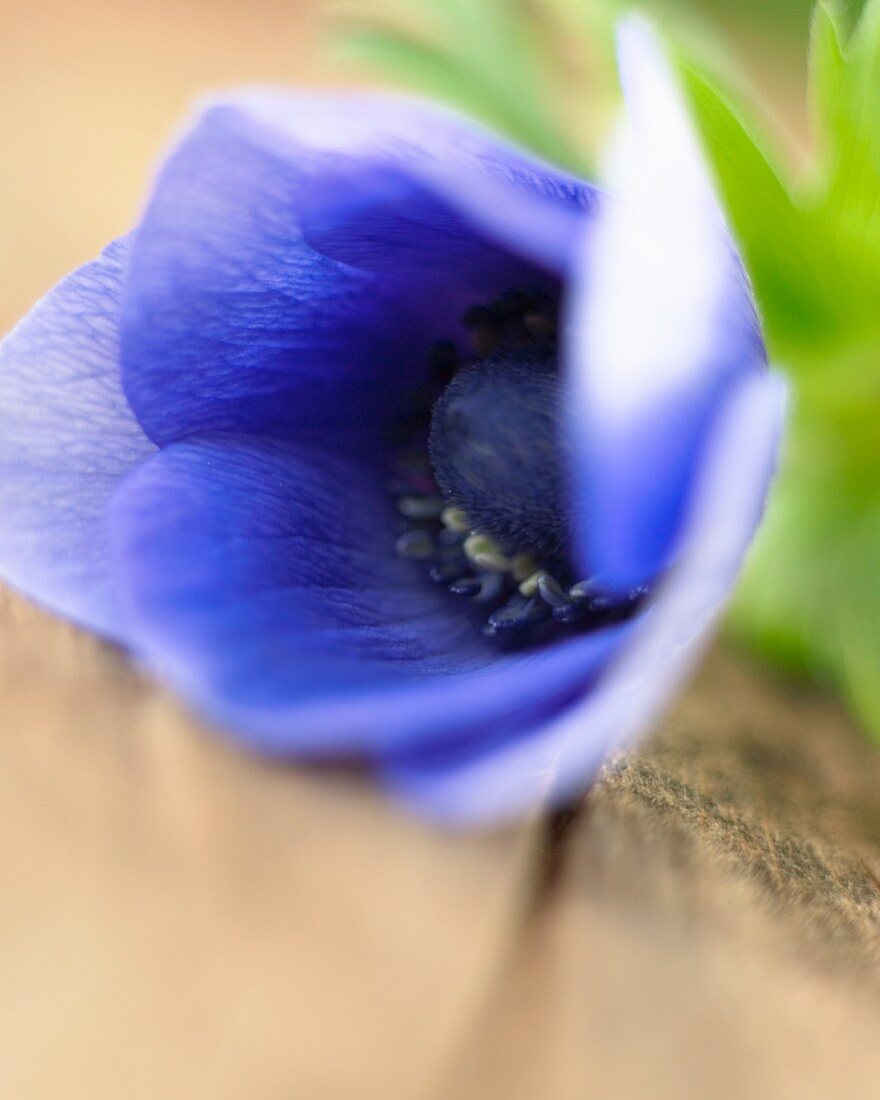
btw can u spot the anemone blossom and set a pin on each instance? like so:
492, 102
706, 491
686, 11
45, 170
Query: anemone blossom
378, 438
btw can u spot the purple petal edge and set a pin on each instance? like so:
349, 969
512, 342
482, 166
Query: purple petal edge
67, 438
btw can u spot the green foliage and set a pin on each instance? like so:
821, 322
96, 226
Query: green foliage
496, 60
811, 240
774, 233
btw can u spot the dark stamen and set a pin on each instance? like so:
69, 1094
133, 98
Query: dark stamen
416, 544
489, 514
416, 507
572, 613
519, 615
466, 586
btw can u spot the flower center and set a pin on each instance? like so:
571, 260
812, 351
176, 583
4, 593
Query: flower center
488, 511
495, 450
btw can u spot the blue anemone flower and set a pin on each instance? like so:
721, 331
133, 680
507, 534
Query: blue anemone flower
358, 352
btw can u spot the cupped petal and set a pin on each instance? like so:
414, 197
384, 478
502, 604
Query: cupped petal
402, 162
67, 437
662, 323
234, 318
262, 582
550, 763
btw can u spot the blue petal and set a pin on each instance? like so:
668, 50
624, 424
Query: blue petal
377, 218
662, 325
262, 583
499, 777
407, 166
67, 437
232, 321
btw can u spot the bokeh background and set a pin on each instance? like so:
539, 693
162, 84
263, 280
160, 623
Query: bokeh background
92, 89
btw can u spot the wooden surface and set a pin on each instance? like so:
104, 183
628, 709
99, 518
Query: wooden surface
178, 919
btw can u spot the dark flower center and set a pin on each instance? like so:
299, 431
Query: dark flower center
495, 450
488, 512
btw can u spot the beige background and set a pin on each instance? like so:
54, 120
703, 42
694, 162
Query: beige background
91, 93
179, 919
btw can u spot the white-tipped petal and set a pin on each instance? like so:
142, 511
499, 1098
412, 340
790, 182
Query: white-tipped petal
661, 321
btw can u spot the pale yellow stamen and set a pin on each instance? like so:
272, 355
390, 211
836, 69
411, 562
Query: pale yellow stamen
454, 519
530, 585
522, 566
485, 553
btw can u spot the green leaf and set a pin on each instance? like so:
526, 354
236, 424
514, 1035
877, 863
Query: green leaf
481, 58
856, 617
828, 80
794, 572
845, 91
810, 600
431, 71
785, 256
511, 65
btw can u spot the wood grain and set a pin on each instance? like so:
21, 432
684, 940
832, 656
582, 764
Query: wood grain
178, 918
714, 927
